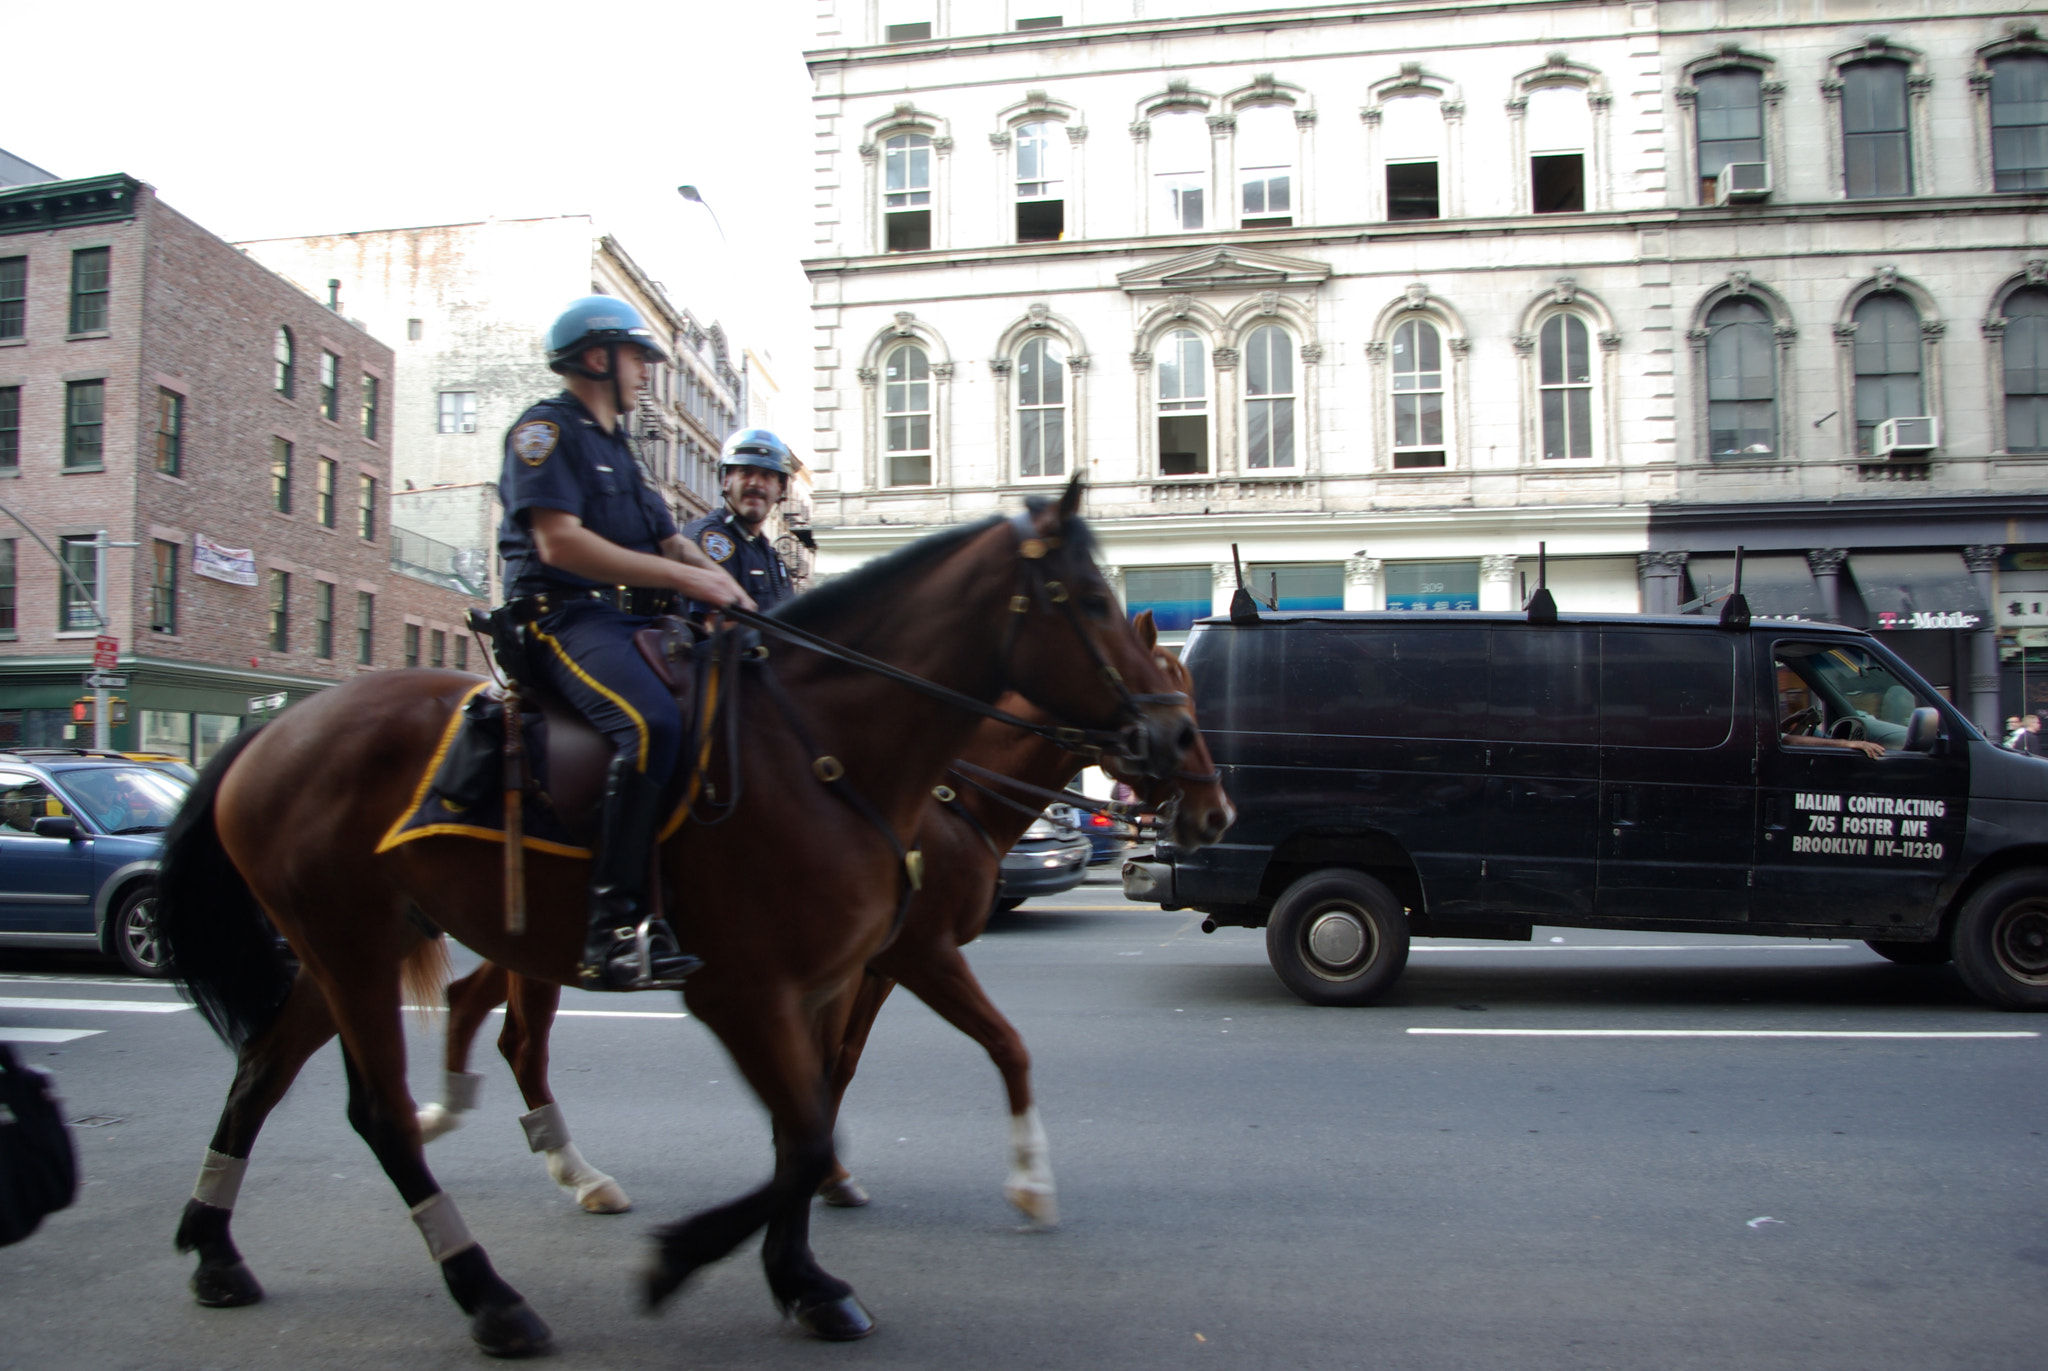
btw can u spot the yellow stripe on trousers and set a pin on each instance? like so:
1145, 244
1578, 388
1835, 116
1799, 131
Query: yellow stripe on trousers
638, 723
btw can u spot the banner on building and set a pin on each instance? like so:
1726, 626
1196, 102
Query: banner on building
235, 565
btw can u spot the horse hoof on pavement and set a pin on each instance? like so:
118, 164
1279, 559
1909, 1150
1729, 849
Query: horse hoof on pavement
437, 1120
510, 1330
225, 1287
605, 1197
1036, 1203
844, 1193
840, 1320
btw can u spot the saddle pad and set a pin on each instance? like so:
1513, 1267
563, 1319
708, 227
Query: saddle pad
461, 793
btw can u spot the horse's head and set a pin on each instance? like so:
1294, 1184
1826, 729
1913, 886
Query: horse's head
1070, 651
1195, 812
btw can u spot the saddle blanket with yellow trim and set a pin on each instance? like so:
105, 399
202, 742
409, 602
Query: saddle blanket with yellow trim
462, 790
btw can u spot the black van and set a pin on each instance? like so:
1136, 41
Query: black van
1470, 775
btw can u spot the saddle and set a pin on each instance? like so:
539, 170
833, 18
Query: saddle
463, 790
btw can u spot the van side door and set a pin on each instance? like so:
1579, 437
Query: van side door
1677, 785
1847, 839
1540, 817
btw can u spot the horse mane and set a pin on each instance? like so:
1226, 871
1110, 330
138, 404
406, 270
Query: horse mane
861, 588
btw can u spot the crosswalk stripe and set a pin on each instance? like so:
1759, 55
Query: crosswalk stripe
110, 1006
47, 1035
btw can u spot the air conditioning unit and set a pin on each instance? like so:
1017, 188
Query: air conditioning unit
467, 425
1742, 181
1908, 439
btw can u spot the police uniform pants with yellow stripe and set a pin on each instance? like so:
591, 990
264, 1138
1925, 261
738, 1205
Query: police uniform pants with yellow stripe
591, 662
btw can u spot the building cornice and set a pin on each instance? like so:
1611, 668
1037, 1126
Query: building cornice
64, 204
1550, 225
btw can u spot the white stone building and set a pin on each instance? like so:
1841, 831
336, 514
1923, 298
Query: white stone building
1389, 296
464, 306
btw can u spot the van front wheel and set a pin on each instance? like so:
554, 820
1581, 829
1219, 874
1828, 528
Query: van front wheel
1338, 937
2001, 941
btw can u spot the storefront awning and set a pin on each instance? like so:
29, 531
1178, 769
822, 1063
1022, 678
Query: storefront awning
1776, 586
1917, 590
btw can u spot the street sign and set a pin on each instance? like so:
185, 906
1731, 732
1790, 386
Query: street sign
103, 680
259, 704
106, 652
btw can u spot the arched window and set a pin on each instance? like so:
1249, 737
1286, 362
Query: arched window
1183, 368
1887, 363
1412, 134
1180, 169
907, 417
1731, 122
907, 192
1742, 381
1418, 357
1565, 384
1269, 399
1040, 183
2019, 122
2026, 372
1560, 133
1877, 154
1041, 409
282, 353
1266, 142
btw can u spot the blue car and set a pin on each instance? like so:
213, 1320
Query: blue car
81, 837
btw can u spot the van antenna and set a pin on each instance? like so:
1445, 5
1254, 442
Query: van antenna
1243, 608
1542, 607
1735, 609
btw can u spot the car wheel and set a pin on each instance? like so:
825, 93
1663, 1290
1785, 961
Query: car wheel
2001, 941
134, 934
1936, 953
1338, 937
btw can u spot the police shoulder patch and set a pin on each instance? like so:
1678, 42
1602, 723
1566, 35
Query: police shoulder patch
716, 545
535, 440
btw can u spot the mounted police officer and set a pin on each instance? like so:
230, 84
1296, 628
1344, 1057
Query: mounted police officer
754, 470
591, 555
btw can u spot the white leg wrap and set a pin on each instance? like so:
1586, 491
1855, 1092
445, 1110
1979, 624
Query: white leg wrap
220, 1179
545, 1127
1030, 1184
442, 1226
595, 1191
459, 1090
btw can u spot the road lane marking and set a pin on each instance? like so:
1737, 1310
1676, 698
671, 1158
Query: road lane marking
1654, 947
579, 1013
123, 982
1695, 1033
111, 1006
47, 1035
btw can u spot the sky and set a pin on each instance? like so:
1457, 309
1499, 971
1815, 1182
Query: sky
262, 119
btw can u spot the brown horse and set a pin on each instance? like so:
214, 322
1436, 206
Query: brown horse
286, 823
963, 858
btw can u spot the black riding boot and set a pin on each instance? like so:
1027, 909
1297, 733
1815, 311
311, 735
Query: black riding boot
627, 949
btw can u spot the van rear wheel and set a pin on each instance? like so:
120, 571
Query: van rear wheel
2001, 941
1338, 937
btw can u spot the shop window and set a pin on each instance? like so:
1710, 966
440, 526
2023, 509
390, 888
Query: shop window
1183, 400
1176, 595
1297, 585
1432, 585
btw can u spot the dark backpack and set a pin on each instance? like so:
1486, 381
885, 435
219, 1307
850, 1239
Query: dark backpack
37, 1173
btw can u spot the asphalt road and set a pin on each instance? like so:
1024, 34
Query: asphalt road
1245, 1181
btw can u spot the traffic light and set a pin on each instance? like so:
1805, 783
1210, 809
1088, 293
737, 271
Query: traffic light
82, 710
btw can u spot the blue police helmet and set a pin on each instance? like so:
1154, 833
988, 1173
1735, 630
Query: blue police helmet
757, 447
594, 321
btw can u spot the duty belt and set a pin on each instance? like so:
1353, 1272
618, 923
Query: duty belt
640, 600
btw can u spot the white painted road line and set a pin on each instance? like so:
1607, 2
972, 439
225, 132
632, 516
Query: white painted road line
47, 1035
123, 982
1414, 948
1690, 1033
111, 1006
578, 1013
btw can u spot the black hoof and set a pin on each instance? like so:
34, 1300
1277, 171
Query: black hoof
840, 1320
510, 1330
225, 1287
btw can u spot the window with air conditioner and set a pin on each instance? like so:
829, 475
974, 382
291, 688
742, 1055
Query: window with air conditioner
1730, 109
1739, 182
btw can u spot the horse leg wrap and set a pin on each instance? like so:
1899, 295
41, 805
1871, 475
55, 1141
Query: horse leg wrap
547, 1132
220, 1179
1030, 1185
440, 1223
458, 1096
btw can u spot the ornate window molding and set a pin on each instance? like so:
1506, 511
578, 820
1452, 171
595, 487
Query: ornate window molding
2033, 276
1784, 333
1879, 47
906, 327
1566, 298
1418, 302
1038, 321
1559, 70
1413, 82
905, 117
1725, 57
1886, 279
2022, 38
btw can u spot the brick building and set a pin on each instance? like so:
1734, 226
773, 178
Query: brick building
158, 388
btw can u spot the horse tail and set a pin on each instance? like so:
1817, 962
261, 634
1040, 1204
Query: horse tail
220, 946
424, 975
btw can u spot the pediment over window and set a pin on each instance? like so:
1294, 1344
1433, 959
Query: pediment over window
1221, 269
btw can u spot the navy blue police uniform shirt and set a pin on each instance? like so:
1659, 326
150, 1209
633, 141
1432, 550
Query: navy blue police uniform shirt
556, 457
752, 561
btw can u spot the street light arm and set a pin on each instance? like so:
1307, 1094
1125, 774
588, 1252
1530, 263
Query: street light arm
99, 618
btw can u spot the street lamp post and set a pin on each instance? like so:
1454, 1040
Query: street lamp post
696, 197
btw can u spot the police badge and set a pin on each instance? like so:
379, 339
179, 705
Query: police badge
533, 442
716, 545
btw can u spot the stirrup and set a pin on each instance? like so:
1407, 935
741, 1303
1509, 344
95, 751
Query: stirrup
629, 964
